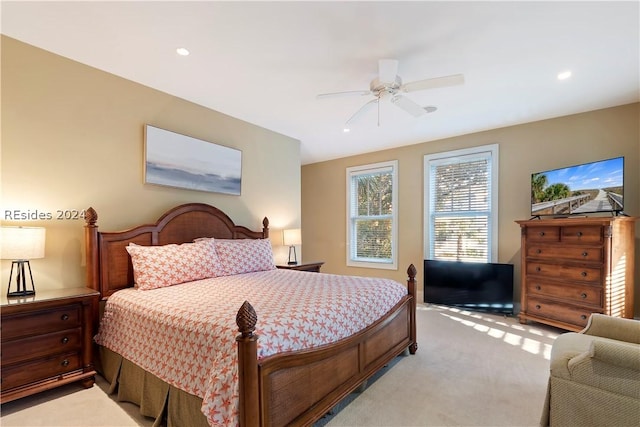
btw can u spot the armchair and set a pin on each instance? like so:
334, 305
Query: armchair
595, 375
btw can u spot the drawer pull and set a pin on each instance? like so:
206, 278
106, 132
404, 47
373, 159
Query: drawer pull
65, 362
583, 295
584, 254
579, 234
583, 274
538, 269
65, 340
539, 251
538, 307
541, 233
64, 317
538, 287
583, 316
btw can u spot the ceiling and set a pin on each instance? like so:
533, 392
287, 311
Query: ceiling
265, 62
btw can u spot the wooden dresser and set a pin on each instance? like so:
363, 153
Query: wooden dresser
572, 267
46, 341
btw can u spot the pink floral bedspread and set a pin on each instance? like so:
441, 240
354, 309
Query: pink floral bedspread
185, 334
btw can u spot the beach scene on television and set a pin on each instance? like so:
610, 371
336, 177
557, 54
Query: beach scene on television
587, 188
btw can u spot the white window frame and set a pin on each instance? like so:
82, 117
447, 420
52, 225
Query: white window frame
492, 152
365, 169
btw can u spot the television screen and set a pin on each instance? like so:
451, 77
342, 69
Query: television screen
586, 188
486, 287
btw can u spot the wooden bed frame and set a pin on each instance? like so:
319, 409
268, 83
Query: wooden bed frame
294, 388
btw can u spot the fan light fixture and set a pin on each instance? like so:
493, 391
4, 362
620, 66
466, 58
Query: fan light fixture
388, 86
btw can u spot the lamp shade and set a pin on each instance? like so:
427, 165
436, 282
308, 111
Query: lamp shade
292, 237
22, 243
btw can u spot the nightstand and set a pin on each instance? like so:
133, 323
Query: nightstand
303, 266
47, 341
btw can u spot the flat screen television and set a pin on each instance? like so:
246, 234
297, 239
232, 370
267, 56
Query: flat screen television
587, 188
486, 287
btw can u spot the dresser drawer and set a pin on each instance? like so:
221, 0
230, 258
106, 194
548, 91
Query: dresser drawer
576, 253
543, 234
39, 322
559, 311
582, 234
562, 271
41, 345
588, 295
24, 373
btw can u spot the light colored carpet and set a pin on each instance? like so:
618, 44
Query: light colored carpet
471, 369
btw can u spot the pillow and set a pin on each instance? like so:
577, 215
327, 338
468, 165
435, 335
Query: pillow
160, 266
244, 255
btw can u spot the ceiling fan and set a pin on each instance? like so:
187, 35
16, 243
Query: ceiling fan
389, 85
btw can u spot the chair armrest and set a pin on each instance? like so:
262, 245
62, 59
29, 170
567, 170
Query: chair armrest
615, 328
619, 354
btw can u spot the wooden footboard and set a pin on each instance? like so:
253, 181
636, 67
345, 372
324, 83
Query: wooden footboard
300, 387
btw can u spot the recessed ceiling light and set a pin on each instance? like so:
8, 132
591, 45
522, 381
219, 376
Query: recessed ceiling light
346, 130
182, 51
430, 109
564, 75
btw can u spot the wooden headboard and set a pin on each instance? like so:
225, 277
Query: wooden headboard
108, 264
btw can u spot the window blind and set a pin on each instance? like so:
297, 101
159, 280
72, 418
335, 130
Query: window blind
371, 220
460, 208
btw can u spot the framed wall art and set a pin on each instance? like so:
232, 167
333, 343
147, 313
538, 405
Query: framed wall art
176, 160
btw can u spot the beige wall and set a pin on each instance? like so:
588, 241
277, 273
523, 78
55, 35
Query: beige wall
524, 149
73, 137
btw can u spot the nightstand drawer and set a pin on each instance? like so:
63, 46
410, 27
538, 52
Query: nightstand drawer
38, 322
41, 345
24, 373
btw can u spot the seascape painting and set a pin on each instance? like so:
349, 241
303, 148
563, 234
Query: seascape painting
176, 160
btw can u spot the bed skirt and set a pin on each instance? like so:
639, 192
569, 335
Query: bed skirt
166, 404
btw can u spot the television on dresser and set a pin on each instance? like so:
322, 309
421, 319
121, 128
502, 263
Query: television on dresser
477, 286
580, 189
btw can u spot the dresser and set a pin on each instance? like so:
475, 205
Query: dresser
46, 341
572, 267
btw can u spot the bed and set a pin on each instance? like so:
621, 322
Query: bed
288, 385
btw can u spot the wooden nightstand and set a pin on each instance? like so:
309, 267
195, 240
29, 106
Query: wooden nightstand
303, 266
47, 341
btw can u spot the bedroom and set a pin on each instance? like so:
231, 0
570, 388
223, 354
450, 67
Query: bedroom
90, 153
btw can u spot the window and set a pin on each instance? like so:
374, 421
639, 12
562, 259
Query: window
461, 199
372, 215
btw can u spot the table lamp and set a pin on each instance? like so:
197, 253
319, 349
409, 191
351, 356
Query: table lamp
291, 238
20, 244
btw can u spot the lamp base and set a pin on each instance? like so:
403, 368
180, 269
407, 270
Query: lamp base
19, 294
294, 260
21, 280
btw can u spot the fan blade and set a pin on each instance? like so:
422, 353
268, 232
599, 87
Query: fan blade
408, 105
346, 93
387, 70
436, 82
362, 110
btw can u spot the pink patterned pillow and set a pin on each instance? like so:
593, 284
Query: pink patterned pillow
160, 266
244, 255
